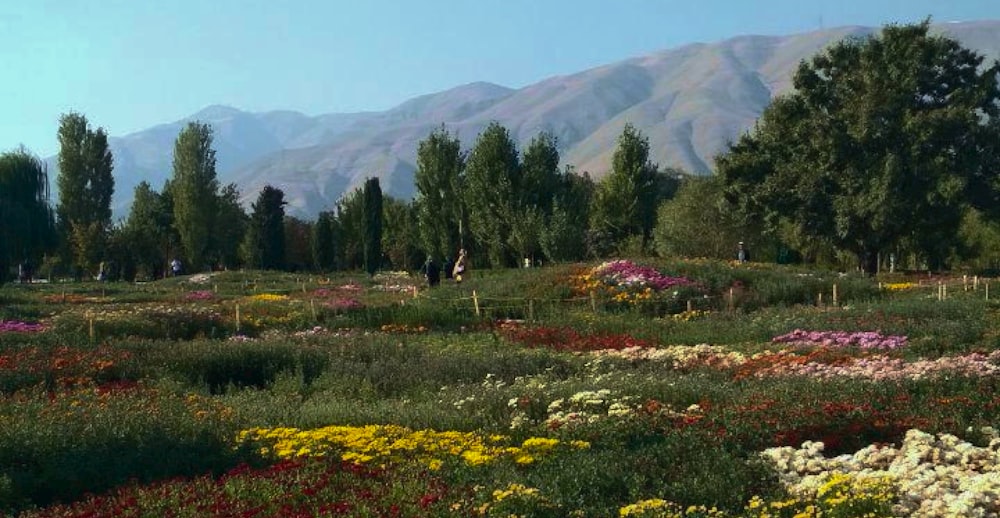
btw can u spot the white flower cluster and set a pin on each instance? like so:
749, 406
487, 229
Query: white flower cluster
682, 356
940, 476
585, 407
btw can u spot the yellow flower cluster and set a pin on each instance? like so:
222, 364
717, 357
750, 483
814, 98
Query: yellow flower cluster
659, 508
631, 297
268, 297
385, 444
693, 314
899, 286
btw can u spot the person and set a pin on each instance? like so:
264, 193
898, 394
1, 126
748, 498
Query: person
460, 266
432, 272
175, 267
102, 274
742, 253
527, 262
22, 272
449, 265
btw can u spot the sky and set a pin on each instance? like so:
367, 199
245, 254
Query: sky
131, 64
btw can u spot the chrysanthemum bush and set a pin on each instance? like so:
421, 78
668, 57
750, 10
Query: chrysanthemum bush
623, 283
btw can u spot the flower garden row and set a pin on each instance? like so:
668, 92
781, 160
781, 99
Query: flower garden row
355, 398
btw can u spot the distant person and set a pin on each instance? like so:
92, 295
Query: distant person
527, 262
742, 253
102, 272
449, 265
461, 265
432, 272
24, 272
175, 267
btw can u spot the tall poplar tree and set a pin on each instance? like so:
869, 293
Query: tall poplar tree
491, 189
440, 164
194, 187
85, 185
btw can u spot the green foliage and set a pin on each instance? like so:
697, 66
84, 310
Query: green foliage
438, 202
698, 222
625, 201
324, 255
27, 228
400, 238
231, 227
193, 188
298, 245
85, 188
264, 245
149, 231
371, 237
491, 191
880, 141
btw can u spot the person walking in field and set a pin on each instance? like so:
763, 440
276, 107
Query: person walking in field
432, 272
461, 265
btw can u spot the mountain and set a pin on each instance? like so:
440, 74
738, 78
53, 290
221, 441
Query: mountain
690, 101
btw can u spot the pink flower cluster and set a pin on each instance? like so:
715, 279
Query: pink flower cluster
881, 367
862, 339
200, 295
344, 303
626, 273
14, 326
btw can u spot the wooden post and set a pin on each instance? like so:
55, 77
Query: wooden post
237, 318
987, 290
689, 305
531, 310
965, 283
944, 292
940, 297
414, 292
303, 287
819, 299
593, 301
475, 301
834, 294
731, 304
975, 283
215, 287
91, 330
312, 307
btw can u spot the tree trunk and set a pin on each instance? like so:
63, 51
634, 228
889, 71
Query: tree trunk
868, 262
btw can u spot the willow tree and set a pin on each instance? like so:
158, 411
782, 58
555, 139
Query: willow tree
27, 223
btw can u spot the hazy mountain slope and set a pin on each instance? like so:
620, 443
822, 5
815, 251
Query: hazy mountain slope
690, 101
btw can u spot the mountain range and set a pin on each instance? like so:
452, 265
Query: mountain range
689, 101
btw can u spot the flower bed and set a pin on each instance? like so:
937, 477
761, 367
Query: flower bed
16, 326
862, 339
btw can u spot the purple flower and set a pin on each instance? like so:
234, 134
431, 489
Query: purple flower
14, 326
862, 339
199, 295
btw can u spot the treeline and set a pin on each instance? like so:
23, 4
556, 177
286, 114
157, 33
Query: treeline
885, 154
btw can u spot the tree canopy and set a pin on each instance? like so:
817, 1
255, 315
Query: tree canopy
881, 140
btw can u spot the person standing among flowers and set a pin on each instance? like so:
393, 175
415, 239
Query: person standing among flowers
742, 253
461, 264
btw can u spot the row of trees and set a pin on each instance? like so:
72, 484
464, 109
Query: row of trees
888, 144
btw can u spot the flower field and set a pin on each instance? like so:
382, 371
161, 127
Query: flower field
624, 389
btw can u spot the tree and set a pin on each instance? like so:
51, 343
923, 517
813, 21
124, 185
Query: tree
27, 227
564, 235
541, 178
264, 245
440, 163
400, 239
230, 227
881, 140
625, 201
194, 188
324, 254
492, 183
298, 244
371, 236
85, 185
348, 229
148, 230
698, 222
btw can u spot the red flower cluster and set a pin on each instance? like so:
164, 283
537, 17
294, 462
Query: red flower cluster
568, 339
66, 366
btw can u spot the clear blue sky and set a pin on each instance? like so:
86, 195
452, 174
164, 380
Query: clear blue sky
131, 64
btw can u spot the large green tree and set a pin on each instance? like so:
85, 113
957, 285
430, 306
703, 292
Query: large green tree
231, 223
440, 164
491, 191
624, 204
371, 235
400, 239
194, 189
264, 245
86, 185
698, 222
149, 231
540, 179
881, 140
26, 223
323, 245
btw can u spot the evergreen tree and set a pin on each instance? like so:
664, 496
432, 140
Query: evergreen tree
85, 185
194, 187
372, 232
147, 232
324, 254
26, 222
492, 187
264, 245
440, 164
231, 226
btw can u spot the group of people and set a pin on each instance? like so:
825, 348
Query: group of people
457, 269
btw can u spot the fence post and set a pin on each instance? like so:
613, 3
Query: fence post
987, 290
731, 304
91, 330
819, 299
965, 283
475, 301
531, 310
689, 305
834, 294
312, 307
593, 301
975, 283
237, 318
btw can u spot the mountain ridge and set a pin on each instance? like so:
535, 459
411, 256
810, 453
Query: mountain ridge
690, 101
